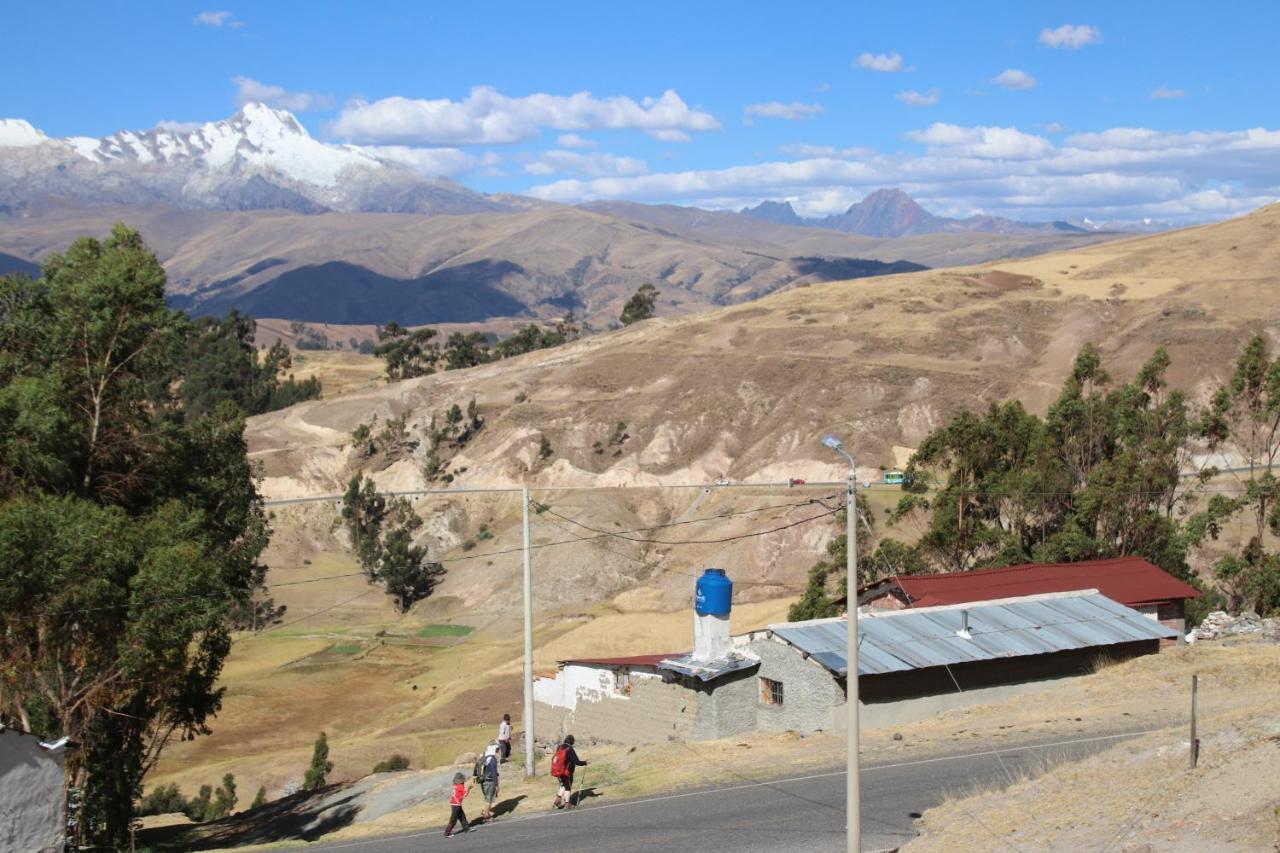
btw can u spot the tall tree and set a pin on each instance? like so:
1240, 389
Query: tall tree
640, 305
382, 533
1100, 476
408, 354
130, 528
1244, 417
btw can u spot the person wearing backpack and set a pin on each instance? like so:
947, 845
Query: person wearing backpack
489, 779
562, 766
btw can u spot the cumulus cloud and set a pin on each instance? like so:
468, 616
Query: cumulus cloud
809, 151
1163, 93
487, 117
912, 98
573, 140
217, 19
1118, 173
992, 143
793, 111
883, 62
589, 165
250, 91
432, 162
1012, 78
1070, 36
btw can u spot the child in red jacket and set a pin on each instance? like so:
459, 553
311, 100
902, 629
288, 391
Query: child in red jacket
456, 814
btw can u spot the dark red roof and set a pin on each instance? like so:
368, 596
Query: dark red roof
635, 660
1128, 580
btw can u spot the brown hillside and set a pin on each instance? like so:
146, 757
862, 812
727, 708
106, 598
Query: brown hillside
364, 268
745, 392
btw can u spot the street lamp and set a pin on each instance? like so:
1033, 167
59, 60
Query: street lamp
853, 800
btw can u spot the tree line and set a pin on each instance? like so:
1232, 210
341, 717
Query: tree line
131, 527
417, 352
1111, 470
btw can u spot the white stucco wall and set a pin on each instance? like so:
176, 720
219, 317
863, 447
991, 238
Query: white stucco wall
30, 795
575, 682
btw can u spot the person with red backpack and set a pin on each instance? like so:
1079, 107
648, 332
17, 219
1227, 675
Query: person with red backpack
562, 766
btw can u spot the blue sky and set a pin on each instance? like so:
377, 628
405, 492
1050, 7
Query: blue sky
1109, 110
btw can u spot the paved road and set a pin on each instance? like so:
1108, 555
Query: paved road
798, 814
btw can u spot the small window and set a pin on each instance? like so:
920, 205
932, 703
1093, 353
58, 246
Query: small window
770, 692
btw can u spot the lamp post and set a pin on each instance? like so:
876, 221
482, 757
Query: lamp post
853, 798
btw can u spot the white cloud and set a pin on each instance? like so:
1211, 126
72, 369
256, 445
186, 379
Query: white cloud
250, 91
670, 135
810, 151
591, 165
217, 19
822, 87
990, 143
1070, 36
793, 111
433, 162
912, 98
486, 116
573, 140
882, 62
1053, 127
1012, 78
1118, 173
1163, 93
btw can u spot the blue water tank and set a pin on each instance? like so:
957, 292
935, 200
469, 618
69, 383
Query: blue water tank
714, 595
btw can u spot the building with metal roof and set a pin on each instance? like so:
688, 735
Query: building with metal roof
914, 663
1131, 581
899, 640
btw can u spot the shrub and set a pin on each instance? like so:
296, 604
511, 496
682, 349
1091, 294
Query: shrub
393, 764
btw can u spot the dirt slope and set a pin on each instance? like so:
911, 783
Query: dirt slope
745, 392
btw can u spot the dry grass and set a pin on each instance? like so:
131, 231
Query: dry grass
618, 634
1139, 794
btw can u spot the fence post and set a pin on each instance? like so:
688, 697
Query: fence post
1195, 741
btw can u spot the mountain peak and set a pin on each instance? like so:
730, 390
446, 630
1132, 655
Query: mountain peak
884, 213
18, 133
269, 119
779, 212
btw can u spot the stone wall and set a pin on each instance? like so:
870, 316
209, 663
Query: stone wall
812, 699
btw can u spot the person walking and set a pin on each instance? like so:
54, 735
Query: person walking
562, 767
456, 814
489, 779
504, 738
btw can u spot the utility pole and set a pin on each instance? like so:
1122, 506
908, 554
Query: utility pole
853, 781
1195, 741
528, 638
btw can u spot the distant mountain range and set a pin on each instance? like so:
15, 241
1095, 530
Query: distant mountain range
260, 158
229, 207
893, 213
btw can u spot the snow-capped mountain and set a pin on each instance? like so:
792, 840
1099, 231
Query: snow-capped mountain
259, 158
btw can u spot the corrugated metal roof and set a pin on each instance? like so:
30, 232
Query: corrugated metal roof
924, 637
708, 670
1129, 580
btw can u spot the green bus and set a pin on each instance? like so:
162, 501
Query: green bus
894, 478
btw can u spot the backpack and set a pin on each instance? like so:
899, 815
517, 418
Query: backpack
558, 768
477, 772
